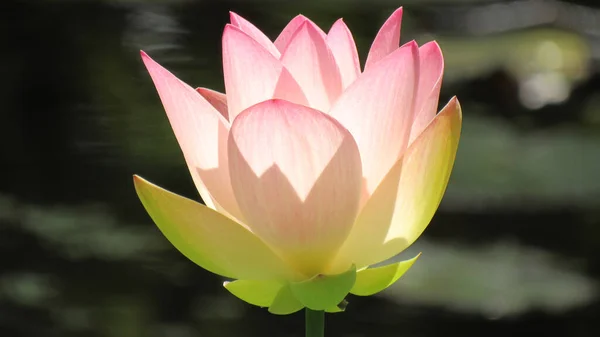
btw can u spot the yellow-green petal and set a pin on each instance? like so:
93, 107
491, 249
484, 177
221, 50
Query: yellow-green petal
405, 201
324, 291
285, 302
259, 293
208, 238
373, 280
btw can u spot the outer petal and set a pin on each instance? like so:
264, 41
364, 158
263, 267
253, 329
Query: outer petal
342, 46
324, 292
259, 293
253, 75
373, 280
297, 177
258, 36
378, 110
208, 238
286, 34
216, 99
312, 64
202, 135
387, 39
430, 82
403, 204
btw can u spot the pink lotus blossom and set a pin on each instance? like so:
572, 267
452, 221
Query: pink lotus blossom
311, 169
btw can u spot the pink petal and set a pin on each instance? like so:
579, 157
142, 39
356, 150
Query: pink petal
216, 99
252, 74
288, 32
296, 174
312, 64
378, 110
258, 36
342, 46
387, 39
202, 135
403, 204
430, 83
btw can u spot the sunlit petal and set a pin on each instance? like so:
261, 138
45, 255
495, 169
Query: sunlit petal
253, 75
290, 29
403, 204
387, 39
202, 135
258, 36
310, 61
431, 71
296, 174
216, 99
378, 110
342, 46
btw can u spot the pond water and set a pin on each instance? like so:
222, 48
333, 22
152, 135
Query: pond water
515, 247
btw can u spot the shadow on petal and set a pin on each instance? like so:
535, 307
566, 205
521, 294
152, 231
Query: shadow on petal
306, 228
216, 182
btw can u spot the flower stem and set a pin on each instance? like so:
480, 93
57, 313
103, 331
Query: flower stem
315, 323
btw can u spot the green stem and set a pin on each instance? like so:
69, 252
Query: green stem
315, 323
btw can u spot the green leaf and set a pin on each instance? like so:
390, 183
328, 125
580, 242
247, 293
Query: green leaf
373, 280
324, 291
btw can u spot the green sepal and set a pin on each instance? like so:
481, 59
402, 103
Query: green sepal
373, 280
341, 307
260, 293
285, 302
324, 292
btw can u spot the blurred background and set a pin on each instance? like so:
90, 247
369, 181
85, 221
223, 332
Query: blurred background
515, 247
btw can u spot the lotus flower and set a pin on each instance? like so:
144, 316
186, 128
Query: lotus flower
311, 169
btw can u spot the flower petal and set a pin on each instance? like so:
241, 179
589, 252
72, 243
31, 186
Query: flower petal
253, 75
296, 174
324, 291
286, 34
403, 204
216, 99
285, 302
258, 36
431, 71
342, 46
259, 293
373, 280
312, 64
208, 238
378, 110
387, 39
202, 135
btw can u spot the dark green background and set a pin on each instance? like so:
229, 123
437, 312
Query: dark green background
515, 247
